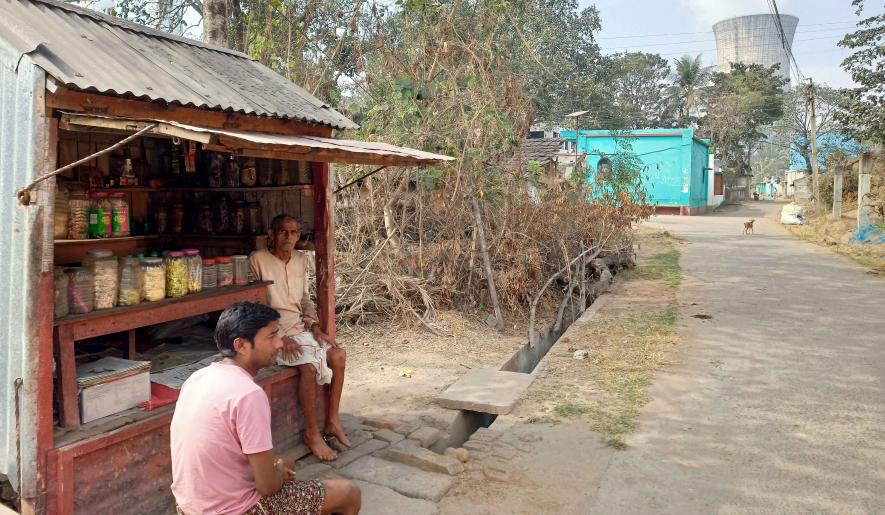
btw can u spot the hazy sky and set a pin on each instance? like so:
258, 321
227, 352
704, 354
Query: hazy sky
676, 27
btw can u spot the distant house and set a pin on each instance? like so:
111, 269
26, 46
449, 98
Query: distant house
675, 162
541, 154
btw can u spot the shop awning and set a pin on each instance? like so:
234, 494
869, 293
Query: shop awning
258, 144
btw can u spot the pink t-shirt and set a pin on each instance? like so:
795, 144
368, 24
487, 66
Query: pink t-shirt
221, 416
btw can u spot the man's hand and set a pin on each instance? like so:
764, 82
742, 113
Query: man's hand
291, 349
286, 472
322, 337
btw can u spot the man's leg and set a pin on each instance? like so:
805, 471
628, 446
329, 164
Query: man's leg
336, 359
307, 394
342, 497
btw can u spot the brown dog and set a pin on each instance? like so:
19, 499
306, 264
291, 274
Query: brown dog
748, 226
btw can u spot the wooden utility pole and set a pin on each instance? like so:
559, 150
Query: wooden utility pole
815, 182
837, 194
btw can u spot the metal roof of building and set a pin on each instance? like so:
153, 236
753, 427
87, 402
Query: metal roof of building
91, 51
541, 150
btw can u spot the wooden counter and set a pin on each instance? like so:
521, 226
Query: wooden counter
70, 329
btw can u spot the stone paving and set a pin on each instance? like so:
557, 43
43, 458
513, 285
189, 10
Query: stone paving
398, 473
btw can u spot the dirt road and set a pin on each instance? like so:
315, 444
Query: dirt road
777, 402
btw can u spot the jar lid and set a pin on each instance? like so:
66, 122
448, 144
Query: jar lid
239, 257
208, 261
175, 254
100, 253
152, 261
190, 252
223, 260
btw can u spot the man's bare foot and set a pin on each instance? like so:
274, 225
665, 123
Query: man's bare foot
334, 428
319, 448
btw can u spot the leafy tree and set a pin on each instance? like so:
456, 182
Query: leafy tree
689, 79
864, 109
738, 105
638, 84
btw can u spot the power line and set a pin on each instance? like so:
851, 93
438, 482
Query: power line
627, 36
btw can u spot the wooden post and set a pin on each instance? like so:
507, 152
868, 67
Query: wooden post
324, 241
863, 190
837, 194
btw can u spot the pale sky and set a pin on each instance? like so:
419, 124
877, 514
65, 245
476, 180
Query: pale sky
676, 27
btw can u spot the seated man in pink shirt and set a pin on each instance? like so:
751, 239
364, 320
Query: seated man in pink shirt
222, 450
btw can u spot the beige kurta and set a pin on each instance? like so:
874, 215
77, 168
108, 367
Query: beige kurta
290, 296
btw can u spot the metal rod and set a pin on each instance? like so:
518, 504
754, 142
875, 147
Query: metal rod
24, 197
351, 183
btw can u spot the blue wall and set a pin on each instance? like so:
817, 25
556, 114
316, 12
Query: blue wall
674, 161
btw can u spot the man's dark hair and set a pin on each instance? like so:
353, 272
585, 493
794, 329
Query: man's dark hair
241, 320
277, 223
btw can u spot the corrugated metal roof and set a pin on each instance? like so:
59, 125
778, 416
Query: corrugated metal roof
542, 150
91, 51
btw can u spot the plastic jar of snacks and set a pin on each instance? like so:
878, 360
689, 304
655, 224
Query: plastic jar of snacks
241, 270
194, 270
130, 281
60, 218
61, 281
119, 215
240, 218
225, 271
176, 219
210, 273
248, 172
106, 277
80, 290
100, 215
153, 279
176, 274
78, 215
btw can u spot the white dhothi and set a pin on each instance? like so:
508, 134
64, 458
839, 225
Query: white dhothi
290, 296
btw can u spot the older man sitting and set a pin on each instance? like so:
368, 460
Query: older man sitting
320, 360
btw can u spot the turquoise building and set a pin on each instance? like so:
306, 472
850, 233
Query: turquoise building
675, 162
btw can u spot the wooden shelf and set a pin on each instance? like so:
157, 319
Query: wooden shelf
106, 241
244, 189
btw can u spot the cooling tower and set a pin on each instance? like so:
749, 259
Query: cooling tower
754, 39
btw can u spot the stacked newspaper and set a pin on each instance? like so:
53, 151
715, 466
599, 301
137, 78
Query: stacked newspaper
108, 369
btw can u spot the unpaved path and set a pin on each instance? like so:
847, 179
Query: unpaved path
776, 403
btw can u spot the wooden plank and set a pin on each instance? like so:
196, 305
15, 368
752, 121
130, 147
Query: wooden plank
132, 354
110, 106
68, 409
44, 362
324, 237
326, 155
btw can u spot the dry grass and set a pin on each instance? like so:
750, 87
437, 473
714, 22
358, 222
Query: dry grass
835, 235
630, 337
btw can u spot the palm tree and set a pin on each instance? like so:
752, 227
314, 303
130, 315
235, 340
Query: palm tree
689, 78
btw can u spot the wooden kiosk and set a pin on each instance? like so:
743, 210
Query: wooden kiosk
177, 92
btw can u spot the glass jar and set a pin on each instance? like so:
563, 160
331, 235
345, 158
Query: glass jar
100, 215
304, 174
176, 274
240, 218
204, 220
225, 271
162, 220
283, 173
153, 279
62, 206
60, 298
80, 293
94, 254
78, 216
215, 170
194, 270
248, 172
130, 282
265, 171
256, 224
241, 270
232, 172
210, 273
119, 215
106, 276
221, 215
176, 219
